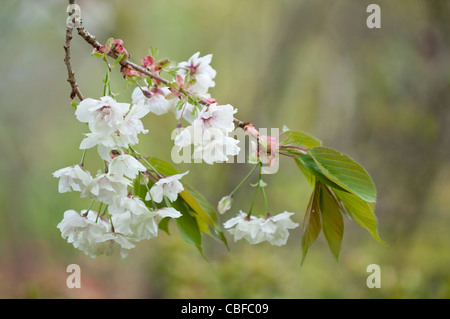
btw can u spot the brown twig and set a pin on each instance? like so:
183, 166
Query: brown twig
70, 71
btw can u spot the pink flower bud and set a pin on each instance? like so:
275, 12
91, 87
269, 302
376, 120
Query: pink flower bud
101, 49
147, 61
211, 100
117, 42
127, 71
180, 80
251, 130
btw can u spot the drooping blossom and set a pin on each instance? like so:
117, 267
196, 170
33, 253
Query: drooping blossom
245, 227
126, 165
113, 125
133, 219
72, 178
169, 186
92, 234
273, 229
107, 188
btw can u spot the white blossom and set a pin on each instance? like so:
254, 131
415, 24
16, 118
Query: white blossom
136, 227
167, 212
215, 147
169, 186
110, 243
104, 115
256, 229
244, 226
72, 178
107, 188
132, 125
276, 228
126, 165
157, 102
208, 133
218, 116
92, 234
113, 125
128, 204
134, 220
200, 69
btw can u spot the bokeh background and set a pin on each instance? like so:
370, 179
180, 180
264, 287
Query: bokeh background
380, 95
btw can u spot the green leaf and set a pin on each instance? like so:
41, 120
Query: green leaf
180, 104
311, 223
361, 212
308, 175
204, 212
163, 167
345, 172
98, 54
164, 225
154, 52
310, 169
187, 224
140, 190
332, 223
203, 219
298, 138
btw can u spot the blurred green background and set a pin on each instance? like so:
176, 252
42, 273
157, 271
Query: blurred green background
381, 96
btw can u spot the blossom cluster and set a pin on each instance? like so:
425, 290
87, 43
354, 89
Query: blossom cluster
128, 220
123, 217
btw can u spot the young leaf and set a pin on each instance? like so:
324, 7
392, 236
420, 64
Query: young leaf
310, 169
202, 218
332, 223
308, 175
298, 138
117, 61
162, 166
345, 172
311, 223
361, 212
74, 104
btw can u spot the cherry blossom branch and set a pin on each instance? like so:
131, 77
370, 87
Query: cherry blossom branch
90, 39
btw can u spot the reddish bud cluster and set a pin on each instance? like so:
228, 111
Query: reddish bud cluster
128, 71
113, 45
